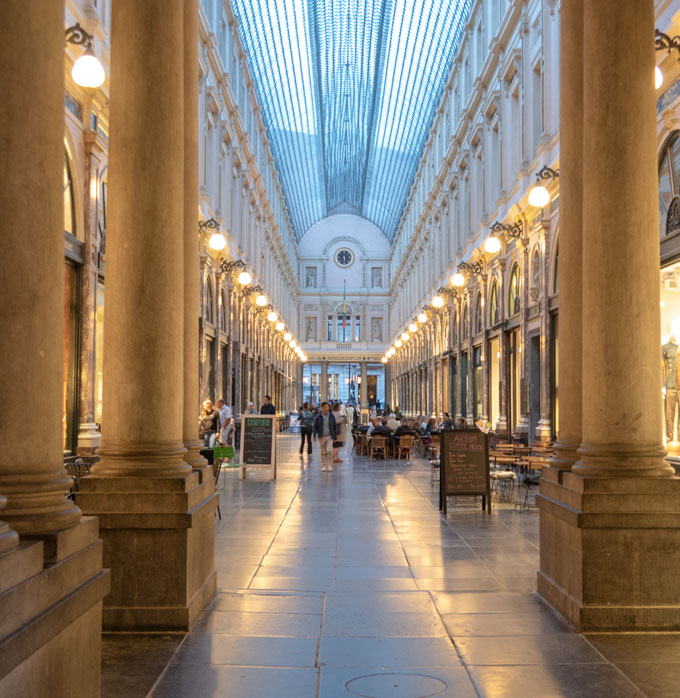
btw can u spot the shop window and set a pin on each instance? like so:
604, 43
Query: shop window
210, 304
69, 199
455, 329
466, 320
70, 393
514, 294
669, 187
103, 212
223, 312
535, 270
556, 278
494, 315
478, 315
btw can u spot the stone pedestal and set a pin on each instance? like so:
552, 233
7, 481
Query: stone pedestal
158, 541
610, 551
51, 591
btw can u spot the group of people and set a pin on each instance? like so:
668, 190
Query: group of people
215, 424
327, 425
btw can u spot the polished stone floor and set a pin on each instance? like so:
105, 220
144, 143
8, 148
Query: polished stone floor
350, 583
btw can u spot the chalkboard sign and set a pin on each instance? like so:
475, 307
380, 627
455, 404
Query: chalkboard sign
258, 441
464, 463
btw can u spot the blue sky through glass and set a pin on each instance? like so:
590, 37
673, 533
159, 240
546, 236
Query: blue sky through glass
348, 90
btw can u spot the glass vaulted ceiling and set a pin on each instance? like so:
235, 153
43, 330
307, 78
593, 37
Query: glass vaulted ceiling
348, 90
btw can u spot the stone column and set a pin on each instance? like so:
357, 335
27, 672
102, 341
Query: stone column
522, 427
571, 236
544, 426
156, 516
89, 436
486, 359
323, 386
501, 427
363, 392
620, 370
190, 239
607, 527
32, 477
52, 584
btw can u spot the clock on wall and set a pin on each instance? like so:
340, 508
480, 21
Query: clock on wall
344, 258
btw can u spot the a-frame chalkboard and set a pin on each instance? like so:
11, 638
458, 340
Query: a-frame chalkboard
464, 466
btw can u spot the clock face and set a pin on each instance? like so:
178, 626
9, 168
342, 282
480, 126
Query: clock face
344, 258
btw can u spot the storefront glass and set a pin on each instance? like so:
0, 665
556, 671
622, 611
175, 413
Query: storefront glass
494, 379
99, 354
477, 382
70, 393
670, 337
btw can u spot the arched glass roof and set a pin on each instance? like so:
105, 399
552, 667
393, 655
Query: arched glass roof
348, 90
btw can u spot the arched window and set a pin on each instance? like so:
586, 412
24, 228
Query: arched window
223, 312
465, 332
343, 323
535, 269
69, 199
514, 293
556, 267
669, 187
494, 315
210, 304
478, 315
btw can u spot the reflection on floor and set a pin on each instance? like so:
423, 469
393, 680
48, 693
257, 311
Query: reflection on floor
350, 583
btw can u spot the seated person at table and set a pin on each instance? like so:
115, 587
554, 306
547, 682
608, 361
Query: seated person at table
431, 427
403, 429
392, 422
381, 429
373, 423
460, 423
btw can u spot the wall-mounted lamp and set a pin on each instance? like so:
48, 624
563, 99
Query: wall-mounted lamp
87, 71
412, 328
280, 327
422, 317
217, 240
663, 42
253, 289
539, 196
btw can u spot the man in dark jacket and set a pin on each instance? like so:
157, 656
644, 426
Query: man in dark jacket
267, 407
326, 431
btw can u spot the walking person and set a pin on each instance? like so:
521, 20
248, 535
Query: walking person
326, 431
267, 406
208, 424
225, 422
306, 428
341, 424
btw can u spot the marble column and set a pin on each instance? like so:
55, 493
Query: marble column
32, 475
363, 388
501, 427
608, 525
52, 583
190, 240
569, 377
323, 387
156, 514
89, 436
486, 361
544, 427
522, 428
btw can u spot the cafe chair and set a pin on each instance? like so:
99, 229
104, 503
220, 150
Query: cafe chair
435, 470
403, 446
363, 445
378, 445
527, 481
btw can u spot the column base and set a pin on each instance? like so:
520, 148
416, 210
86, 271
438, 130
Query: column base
159, 543
89, 439
501, 428
51, 593
543, 430
609, 558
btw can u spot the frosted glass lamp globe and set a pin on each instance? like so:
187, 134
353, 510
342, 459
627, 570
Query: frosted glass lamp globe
539, 196
87, 71
492, 244
217, 241
244, 278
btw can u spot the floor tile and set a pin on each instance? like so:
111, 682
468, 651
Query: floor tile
181, 681
377, 652
495, 624
261, 624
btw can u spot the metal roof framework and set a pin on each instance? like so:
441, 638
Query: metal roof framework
348, 91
